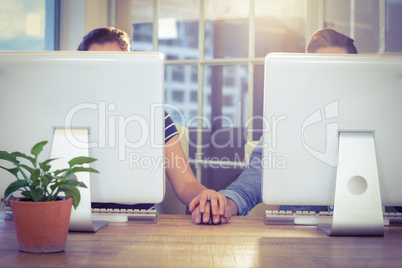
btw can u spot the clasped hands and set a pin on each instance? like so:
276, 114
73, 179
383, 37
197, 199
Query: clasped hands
210, 204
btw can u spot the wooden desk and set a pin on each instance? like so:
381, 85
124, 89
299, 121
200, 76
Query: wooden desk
174, 241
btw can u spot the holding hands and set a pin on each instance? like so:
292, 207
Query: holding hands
210, 204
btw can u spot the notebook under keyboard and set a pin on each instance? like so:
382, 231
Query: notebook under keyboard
323, 217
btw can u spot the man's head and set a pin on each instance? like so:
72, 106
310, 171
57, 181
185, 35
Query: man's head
105, 39
331, 41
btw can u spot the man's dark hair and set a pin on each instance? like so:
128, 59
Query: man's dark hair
105, 35
330, 38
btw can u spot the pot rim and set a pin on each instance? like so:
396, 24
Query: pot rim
25, 199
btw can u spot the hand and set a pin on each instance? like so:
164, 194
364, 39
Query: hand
198, 217
209, 203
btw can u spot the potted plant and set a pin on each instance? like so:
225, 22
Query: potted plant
42, 215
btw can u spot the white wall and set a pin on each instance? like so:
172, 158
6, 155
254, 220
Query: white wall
78, 17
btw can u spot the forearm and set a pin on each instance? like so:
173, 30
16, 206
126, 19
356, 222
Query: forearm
190, 190
245, 191
232, 207
178, 170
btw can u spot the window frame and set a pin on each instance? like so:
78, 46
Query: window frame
314, 11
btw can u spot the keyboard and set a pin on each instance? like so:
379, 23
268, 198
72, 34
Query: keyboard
124, 215
323, 217
7, 213
110, 215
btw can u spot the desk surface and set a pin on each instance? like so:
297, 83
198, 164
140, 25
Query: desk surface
174, 241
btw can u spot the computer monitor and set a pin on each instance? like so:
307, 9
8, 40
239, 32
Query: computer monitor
319, 109
117, 96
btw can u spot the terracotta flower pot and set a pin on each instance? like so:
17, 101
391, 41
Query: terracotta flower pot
42, 227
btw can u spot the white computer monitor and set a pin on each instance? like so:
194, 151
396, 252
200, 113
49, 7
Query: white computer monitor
311, 101
117, 96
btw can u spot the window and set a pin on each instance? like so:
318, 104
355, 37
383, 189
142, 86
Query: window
178, 96
28, 25
393, 34
171, 57
228, 100
194, 96
229, 81
143, 36
357, 19
178, 74
194, 74
230, 76
220, 51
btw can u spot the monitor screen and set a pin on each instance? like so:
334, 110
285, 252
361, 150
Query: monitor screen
309, 98
117, 96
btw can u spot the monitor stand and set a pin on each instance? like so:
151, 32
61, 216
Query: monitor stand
63, 147
357, 206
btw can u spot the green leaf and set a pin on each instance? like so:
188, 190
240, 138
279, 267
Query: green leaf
41, 184
38, 148
81, 160
46, 180
15, 186
65, 183
8, 157
13, 171
84, 169
73, 192
53, 187
49, 160
35, 175
81, 184
27, 194
22, 155
57, 172
36, 194
74, 182
76, 169
71, 182
45, 165
31, 170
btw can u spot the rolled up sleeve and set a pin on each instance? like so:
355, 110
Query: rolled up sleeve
245, 191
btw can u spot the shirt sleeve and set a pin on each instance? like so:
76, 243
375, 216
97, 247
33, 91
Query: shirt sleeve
245, 191
170, 128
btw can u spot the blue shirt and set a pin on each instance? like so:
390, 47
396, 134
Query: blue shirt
170, 128
245, 191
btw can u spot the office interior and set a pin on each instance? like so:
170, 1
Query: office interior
214, 54
214, 81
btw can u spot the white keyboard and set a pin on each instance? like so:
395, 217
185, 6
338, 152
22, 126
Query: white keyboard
124, 215
323, 217
110, 215
7, 213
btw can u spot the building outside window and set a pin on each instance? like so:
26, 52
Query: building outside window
28, 25
178, 96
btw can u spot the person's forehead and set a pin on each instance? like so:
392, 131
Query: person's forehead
109, 46
335, 50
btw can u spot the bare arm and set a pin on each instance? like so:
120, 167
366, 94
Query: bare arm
179, 172
184, 183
